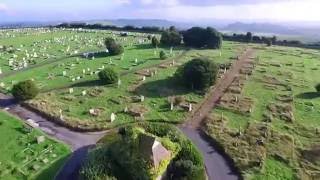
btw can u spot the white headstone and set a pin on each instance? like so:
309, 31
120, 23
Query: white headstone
142, 98
40, 139
70, 90
190, 107
84, 93
112, 117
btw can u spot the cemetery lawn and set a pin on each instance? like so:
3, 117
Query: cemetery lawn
279, 138
22, 157
63, 69
113, 99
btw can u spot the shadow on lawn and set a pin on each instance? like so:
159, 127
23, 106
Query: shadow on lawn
92, 83
308, 95
161, 88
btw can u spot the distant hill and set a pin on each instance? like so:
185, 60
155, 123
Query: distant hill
260, 28
143, 22
290, 32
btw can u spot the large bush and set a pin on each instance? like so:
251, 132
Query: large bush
171, 38
155, 42
108, 76
188, 164
318, 87
163, 55
113, 47
200, 37
249, 37
198, 73
25, 90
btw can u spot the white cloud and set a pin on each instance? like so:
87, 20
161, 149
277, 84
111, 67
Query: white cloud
160, 3
122, 2
283, 10
3, 7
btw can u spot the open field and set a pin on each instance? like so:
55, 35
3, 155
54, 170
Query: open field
269, 119
22, 157
139, 61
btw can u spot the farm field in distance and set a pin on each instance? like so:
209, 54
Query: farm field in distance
22, 156
267, 121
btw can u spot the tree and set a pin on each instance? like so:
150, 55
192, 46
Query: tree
199, 37
249, 37
185, 170
269, 42
108, 76
214, 40
155, 42
274, 39
171, 38
198, 73
109, 41
113, 47
163, 55
318, 87
25, 90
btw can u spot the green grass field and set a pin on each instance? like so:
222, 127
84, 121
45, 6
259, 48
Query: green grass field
21, 157
277, 139
282, 83
81, 75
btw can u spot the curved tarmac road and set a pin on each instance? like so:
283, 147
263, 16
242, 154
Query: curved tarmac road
218, 166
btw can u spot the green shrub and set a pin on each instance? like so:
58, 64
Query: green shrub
155, 42
113, 47
171, 38
163, 55
318, 87
201, 37
25, 90
198, 73
188, 164
108, 76
185, 170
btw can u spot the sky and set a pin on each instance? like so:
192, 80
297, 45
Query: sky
238, 10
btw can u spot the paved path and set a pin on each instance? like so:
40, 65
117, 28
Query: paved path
218, 166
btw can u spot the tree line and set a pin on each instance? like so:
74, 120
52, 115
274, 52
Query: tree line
250, 38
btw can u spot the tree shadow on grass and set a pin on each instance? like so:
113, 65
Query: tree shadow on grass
92, 83
143, 46
161, 88
308, 95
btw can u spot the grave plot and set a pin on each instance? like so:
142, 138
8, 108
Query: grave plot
141, 95
71, 70
233, 99
25, 152
286, 109
43, 46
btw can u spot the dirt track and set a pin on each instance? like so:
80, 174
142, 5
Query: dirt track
218, 165
213, 96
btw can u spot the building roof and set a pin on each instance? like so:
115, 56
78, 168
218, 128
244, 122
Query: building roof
152, 150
